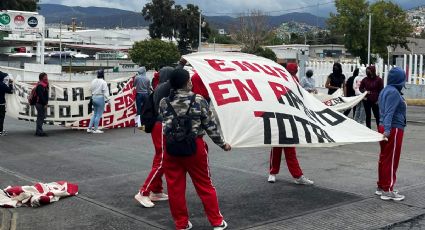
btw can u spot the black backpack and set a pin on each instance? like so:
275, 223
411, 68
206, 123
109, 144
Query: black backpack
180, 140
148, 116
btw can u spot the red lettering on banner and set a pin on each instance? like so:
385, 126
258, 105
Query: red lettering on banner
267, 70
278, 89
217, 65
245, 66
129, 99
108, 120
84, 123
107, 109
220, 92
282, 73
250, 88
119, 104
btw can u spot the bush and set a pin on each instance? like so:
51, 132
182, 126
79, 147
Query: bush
154, 53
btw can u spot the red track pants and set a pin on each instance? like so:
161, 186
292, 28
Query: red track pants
291, 160
389, 158
175, 169
153, 182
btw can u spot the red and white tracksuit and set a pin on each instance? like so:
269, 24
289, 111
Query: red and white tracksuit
291, 160
175, 169
389, 158
153, 182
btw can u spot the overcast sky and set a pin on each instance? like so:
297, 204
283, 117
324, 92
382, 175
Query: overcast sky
232, 7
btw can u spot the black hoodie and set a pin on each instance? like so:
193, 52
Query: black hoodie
4, 88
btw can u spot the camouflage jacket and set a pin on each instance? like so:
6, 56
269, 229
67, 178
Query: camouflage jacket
203, 118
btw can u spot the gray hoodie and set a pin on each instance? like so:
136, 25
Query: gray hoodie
142, 82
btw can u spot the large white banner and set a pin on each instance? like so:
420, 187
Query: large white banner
259, 104
338, 102
69, 104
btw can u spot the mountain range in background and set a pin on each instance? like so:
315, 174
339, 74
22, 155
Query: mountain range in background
101, 17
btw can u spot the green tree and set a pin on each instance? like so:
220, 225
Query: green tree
160, 14
220, 38
22, 5
389, 26
187, 27
154, 53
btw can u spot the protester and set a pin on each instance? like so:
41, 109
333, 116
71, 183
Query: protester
42, 92
392, 123
155, 79
336, 80
184, 102
6, 86
359, 116
290, 152
308, 82
199, 87
349, 90
372, 84
152, 189
142, 85
100, 95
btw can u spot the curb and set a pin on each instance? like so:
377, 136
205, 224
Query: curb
5, 219
415, 102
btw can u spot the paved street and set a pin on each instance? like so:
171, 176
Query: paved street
109, 169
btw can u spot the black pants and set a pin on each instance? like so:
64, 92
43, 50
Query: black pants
2, 115
368, 107
41, 116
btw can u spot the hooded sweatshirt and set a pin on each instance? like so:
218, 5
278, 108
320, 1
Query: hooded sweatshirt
141, 81
164, 87
392, 106
4, 88
337, 79
373, 84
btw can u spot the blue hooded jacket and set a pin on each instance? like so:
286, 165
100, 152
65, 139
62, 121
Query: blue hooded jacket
392, 106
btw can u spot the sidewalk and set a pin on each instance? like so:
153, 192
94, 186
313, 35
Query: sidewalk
109, 169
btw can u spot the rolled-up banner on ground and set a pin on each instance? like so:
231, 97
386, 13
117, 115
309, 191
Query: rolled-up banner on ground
338, 102
69, 104
258, 104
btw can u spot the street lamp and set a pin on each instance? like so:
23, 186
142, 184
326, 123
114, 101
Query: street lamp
368, 42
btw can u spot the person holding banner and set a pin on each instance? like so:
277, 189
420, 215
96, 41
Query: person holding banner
6, 86
372, 84
42, 92
100, 95
391, 124
336, 80
183, 103
290, 152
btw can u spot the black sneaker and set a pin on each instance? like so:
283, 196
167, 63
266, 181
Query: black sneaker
41, 134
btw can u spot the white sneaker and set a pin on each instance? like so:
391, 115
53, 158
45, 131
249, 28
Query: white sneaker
272, 178
188, 227
144, 200
378, 191
392, 196
4, 133
158, 196
222, 226
89, 130
303, 180
98, 131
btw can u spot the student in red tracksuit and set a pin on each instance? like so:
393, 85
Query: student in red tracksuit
290, 152
196, 165
392, 122
152, 189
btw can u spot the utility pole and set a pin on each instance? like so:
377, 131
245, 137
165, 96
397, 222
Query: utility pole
60, 44
200, 30
368, 42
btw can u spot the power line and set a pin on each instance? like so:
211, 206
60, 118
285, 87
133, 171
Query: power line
274, 11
